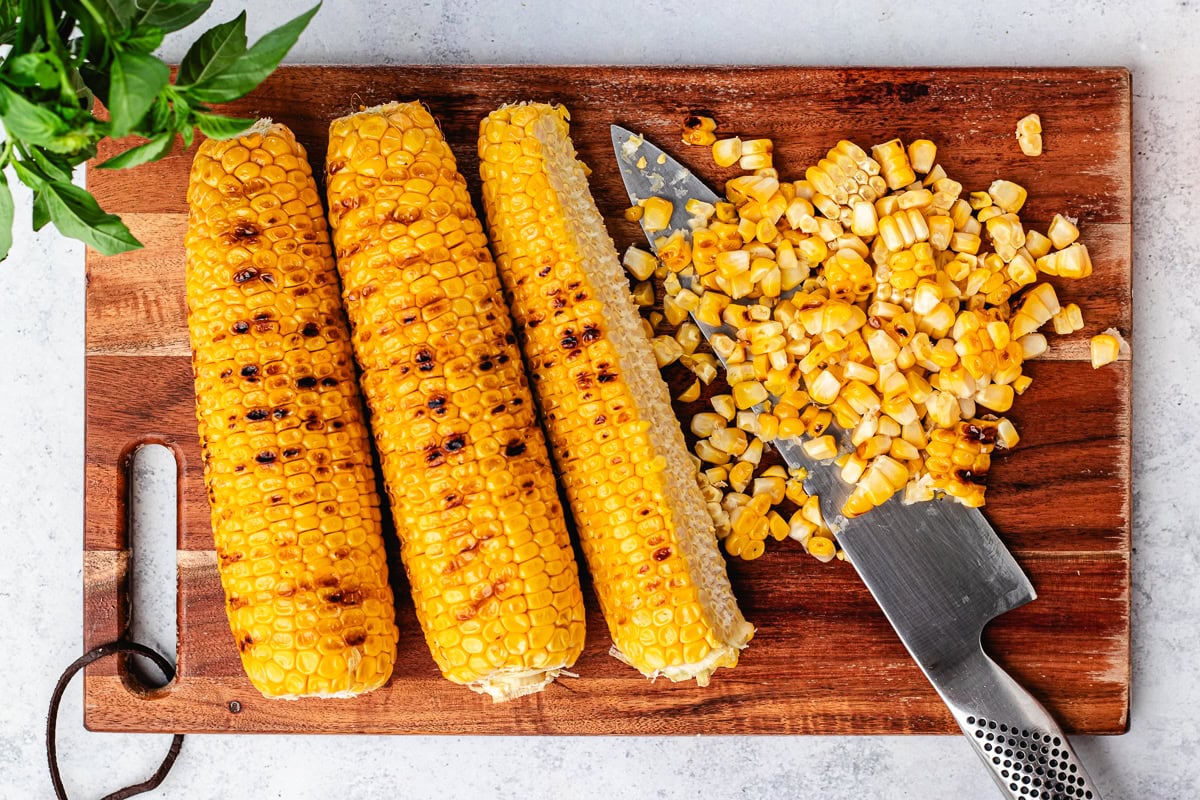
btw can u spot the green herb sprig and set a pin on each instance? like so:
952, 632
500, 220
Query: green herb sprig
65, 55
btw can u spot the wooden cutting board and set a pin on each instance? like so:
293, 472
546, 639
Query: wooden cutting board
824, 659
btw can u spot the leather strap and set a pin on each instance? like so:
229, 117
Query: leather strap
103, 651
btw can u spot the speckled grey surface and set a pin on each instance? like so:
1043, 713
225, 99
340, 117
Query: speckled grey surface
41, 440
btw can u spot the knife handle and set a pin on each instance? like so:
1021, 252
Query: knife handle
1023, 747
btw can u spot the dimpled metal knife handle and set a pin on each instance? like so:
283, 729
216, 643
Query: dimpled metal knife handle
1022, 745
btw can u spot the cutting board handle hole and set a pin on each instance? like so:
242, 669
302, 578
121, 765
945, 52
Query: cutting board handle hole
153, 480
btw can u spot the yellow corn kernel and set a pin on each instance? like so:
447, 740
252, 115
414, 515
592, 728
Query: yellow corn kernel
921, 154
1062, 231
962, 242
724, 406
894, 165
821, 448
702, 365
1037, 244
729, 440
1106, 348
690, 394
688, 337
726, 153
640, 263
1029, 135
1008, 195
740, 475
1032, 346
1006, 435
657, 213
675, 313
643, 294
821, 548
995, 397
706, 423
698, 130
773, 487
748, 394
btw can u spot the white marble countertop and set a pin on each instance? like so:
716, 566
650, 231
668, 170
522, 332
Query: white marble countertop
41, 443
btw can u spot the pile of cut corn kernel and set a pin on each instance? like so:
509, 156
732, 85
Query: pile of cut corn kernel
862, 295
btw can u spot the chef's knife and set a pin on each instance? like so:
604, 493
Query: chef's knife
937, 569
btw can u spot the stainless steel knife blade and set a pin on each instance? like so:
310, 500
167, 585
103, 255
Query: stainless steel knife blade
937, 569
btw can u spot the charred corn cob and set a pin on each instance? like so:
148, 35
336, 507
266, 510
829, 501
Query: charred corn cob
485, 543
287, 461
647, 536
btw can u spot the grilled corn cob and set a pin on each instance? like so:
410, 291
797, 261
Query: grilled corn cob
287, 461
485, 543
646, 533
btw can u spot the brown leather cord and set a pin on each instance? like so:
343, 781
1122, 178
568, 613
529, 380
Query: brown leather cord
110, 649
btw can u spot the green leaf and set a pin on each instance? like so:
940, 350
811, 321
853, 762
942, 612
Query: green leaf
143, 39
188, 134
152, 150
120, 11
215, 126
181, 111
30, 123
136, 81
51, 166
33, 69
29, 174
215, 50
41, 214
171, 15
253, 66
77, 214
7, 211
158, 119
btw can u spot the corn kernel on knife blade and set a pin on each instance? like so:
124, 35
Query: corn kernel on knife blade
937, 569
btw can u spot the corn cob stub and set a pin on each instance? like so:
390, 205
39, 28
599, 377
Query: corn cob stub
863, 295
287, 458
648, 539
485, 543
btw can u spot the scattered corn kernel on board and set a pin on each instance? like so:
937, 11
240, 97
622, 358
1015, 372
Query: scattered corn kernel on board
824, 659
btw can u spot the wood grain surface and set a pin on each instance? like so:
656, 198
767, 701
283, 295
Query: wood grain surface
824, 659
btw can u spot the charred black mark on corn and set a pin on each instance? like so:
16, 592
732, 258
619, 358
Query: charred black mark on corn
513, 449
984, 434
970, 476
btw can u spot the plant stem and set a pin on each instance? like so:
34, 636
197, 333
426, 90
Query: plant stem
65, 89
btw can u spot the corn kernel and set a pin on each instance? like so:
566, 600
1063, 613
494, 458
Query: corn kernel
657, 214
1029, 135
